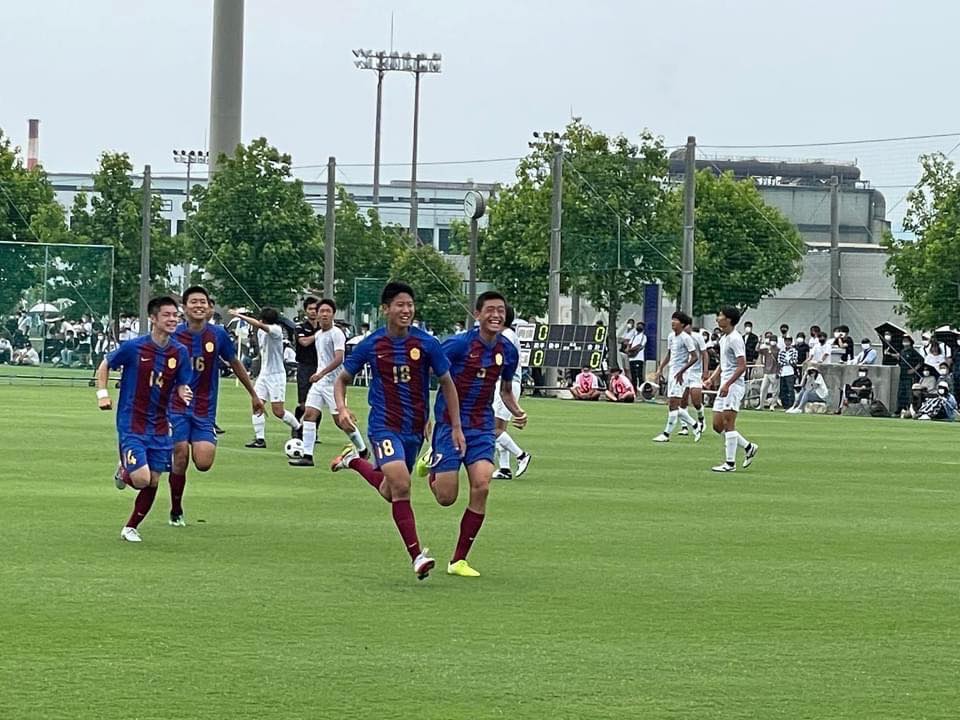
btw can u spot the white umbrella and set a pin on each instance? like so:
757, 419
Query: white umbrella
44, 308
64, 303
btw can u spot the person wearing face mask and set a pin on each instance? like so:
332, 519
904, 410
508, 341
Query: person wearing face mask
859, 390
942, 406
841, 349
924, 388
781, 338
771, 380
866, 356
813, 389
911, 363
890, 354
802, 348
943, 375
935, 356
750, 343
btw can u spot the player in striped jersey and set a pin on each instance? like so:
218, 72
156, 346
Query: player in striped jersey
154, 368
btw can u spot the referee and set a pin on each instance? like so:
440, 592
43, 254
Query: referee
306, 355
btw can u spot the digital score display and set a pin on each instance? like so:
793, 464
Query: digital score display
562, 346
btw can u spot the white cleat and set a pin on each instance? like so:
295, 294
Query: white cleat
423, 564
130, 535
118, 478
724, 468
662, 437
697, 433
502, 474
684, 431
523, 462
749, 454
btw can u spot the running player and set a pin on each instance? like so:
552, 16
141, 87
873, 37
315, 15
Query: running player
732, 368
330, 343
153, 367
271, 382
481, 360
193, 425
401, 358
698, 373
506, 445
681, 355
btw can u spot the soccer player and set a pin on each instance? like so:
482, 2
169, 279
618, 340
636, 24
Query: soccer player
481, 360
330, 344
401, 358
682, 356
731, 371
194, 432
272, 381
506, 445
306, 355
155, 367
698, 373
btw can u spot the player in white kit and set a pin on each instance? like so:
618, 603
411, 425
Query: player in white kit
331, 344
506, 445
733, 367
695, 378
271, 385
682, 356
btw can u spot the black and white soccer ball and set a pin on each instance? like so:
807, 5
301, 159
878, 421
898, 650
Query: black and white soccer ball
294, 448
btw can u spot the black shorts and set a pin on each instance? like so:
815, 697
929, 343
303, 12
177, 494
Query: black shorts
303, 382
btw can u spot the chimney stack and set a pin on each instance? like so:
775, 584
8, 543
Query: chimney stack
33, 143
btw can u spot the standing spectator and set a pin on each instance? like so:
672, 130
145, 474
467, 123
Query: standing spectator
637, 355
781, 340
866, 356
586, 386
813, 389
626, 337
750, 343
23, 323
802, 348
768, 358
787, 362
935, 356
911, 364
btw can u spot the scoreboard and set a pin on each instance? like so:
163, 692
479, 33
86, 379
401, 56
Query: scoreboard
562, 346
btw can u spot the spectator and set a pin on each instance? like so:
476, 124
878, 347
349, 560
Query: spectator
911, 364
942, 406
813, 389
820, 352
787, 366
637, 354
23, 323
626, 337
867, 355
6, 350
802, 348
889, 355
768, 358
935, 356
859, 390
713, 351
26, 356
943, 375
750, 343
620, 389
586, 386
69, 351
781, 340
923, 389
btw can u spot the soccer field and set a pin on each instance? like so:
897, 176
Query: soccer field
621, 579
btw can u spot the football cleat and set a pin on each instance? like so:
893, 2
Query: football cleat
176, 520
256, 443
684, 431
343, 460
662, 438
502, 474
749, 454
305, 461
726, 467
218, 430
422, 467
118, 478
130, 535
423, 564
461, 568
523, 462
697, 433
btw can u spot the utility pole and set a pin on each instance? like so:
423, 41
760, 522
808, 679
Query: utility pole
689, 204
145, 252
226, 79
834, 252
472, 280
413, 169
189, 158
556, 216
376, 141
330, 227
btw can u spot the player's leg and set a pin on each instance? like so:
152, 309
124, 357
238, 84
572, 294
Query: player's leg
696, 399
181, 429
396, 476
479, 471
610, 395
311, 416
674, 394
345, 423
146, 478
505, 444
350, 460
261, 388
444, 478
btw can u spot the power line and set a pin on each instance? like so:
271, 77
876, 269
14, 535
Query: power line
833, 143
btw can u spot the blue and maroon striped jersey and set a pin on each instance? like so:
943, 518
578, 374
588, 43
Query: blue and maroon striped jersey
399, 394
150, 376
475, 368
205, 349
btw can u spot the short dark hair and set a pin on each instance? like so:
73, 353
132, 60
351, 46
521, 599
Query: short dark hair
487, 296
392, 289
784, 325
269, 315
731, 313
308, 301
815, 330
365, 325
511, 316
327, 301
787, 338
682, 317
153, 307
196, 290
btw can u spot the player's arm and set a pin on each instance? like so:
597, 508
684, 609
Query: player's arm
663, 363
691, 361
252, 321
337, 362
184, 376
449, 390
510, 402
244, 377
103, 377
705, 363
306, 340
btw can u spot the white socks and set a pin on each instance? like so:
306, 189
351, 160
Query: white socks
357, 439
672, 418
290, 419
507, 446
259, 423
686, 417
730, 441
309, 437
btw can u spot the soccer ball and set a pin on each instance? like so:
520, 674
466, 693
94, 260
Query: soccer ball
294, 448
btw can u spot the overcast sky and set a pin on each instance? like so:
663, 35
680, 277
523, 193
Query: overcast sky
135, 76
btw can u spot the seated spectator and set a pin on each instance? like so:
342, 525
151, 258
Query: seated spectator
813, 389
26, 356
859, 390
68, 354
866, 356
924, 389
942, 406
586, 386
935, 356
6, 350
943, 375
620, 389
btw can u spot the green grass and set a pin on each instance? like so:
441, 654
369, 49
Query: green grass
621, 579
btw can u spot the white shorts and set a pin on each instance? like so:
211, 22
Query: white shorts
499, 409
675, 389
320, 395
272, 388
731, 401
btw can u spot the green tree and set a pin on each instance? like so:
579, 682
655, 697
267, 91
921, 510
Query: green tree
114, 216
254, 218
437, 284
744, 249
29, 212
926, 269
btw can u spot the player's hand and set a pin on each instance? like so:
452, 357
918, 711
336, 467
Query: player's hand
234, 312
347, 415
679, 378
459, 441
104, 403
257, 405
724, 389
520, 421
316, 377
185, 393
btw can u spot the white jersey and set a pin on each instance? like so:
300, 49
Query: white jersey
271, 351
696, 370
328, 342
681, 345
731, 348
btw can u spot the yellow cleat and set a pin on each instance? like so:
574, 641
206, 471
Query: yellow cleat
461, 568
424, 463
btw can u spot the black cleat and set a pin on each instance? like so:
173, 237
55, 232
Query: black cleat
365, 454
218, 430
305, 461
256, 443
